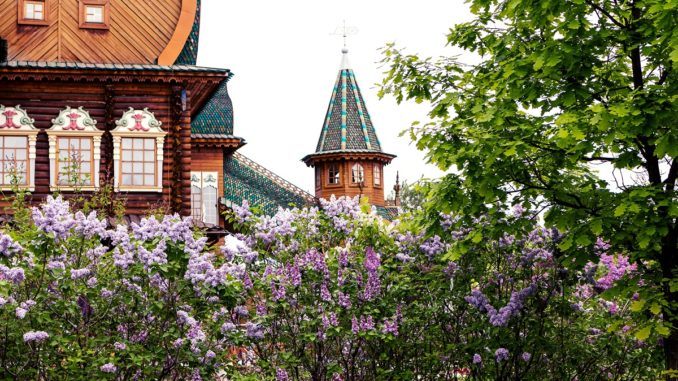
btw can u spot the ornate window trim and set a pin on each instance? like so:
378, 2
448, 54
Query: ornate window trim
106, 10
14, 121
21, 10
74, 123
138, 124
202, 181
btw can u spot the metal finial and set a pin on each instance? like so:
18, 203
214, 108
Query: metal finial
345, 31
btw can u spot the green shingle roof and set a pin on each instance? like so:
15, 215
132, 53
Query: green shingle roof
246, 180
347, 125
389, 213
216, 117
189, 54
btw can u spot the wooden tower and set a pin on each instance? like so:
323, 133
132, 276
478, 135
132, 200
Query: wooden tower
348, 160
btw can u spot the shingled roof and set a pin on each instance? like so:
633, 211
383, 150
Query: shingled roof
216, 117
189, 54
246, 180
347, 125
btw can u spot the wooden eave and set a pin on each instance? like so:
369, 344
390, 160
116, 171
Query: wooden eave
384, 158
218, 142
201, 84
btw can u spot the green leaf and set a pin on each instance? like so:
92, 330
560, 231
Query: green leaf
620, 210
656, 308
662, 329
597, 227
644, 333
637, 305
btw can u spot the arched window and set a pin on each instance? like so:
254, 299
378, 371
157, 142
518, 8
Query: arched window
204, 197
138, 143
377, 175
333, 173
357, 173
318, 176
18, 136
74, 150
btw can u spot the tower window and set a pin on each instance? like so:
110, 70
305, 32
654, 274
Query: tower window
357, 174
377, 175
33, 12
94, 14
333, 174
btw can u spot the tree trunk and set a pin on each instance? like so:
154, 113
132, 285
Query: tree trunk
669, 263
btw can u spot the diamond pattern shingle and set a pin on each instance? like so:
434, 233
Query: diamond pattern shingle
216, 117
247, 180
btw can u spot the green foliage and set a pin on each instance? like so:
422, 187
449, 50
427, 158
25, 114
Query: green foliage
570, 110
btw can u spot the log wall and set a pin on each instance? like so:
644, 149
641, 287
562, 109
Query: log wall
44, 100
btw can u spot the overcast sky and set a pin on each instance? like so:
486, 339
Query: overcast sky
286, 61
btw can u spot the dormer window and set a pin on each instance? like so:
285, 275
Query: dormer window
33, 12
94, 14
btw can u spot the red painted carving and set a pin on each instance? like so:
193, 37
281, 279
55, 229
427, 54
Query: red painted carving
9, 114
137, 123
74, 116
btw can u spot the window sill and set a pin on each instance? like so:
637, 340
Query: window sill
6, 188
68, 188
28, 22
95, 26
139, 190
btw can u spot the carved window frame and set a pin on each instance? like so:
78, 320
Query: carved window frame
201, 181
377, 175
106, 9
357, 173
74, 123
14, 121
138, 124
21, 10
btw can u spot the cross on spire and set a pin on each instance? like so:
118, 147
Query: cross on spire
345, 31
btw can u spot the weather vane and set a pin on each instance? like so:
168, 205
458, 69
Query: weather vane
345, 31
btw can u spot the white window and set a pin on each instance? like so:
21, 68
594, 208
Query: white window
204, 197
74, 150
94, 14
18, 137
377, 175
357, 173
138, 143
34, 10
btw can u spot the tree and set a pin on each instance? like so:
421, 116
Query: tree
572, 109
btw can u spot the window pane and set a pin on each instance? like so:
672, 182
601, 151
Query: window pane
127, 179
85, 144
94, 14
126, 167
21, 154
85, 167
138, 143
149, 180
149, 144
149, 168
16, 141
138, 156
126, 155
138, 168
138, 180
126, 143
149, 156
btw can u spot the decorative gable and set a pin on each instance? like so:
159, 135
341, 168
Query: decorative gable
75, 120
15, 119
139, 121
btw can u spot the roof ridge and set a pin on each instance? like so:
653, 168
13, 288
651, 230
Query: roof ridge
273, 177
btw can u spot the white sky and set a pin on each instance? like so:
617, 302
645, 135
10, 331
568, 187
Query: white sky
285, 62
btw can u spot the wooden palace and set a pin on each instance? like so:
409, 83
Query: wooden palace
107, 92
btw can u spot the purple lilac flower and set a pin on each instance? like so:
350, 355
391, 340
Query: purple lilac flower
8, 247
15, 274
325, 293
366, 323
89, 225
390, 327
242, 213
344, 300
526, 356
432, 247
196, 375
106, 294
35, 336
80, 273
373, 284
278, 293
227, 327
477, 359
294, 275
247, 281
54, 217
254, 331
241, 311
178, 343
119, 346
20, 312
355, 326
108, 368
281, 375
404, 257
501, 354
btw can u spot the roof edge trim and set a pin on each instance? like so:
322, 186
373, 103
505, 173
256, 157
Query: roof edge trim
189, 8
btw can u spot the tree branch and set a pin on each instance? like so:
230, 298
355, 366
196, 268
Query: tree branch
606, 13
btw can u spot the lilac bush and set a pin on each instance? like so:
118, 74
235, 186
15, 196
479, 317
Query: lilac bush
337, 293
80, 300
